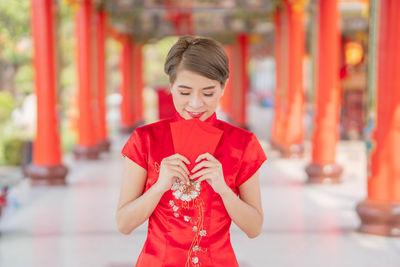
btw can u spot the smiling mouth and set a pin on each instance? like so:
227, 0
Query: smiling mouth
195, 114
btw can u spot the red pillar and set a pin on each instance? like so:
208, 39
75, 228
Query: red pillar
138, 83
87, 139
101, 22
292, 136
47, 167
226, 100
379, 213
323, 168
276, 134
127, 92
241, 81
289, 132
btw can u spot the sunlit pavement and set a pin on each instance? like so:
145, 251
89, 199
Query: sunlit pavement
304, 225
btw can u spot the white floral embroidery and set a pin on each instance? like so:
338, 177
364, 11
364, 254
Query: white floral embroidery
175, 208
194, 228
177, 194
185, 191
203, 233
186, 218
171, 203
176, 215
196, 248
195, 260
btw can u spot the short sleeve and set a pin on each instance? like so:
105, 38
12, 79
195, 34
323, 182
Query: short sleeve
135, 149
253, 158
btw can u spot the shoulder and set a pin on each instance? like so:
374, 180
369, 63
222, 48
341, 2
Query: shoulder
235, 133
154, 127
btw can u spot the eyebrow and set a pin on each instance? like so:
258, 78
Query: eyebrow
205, 88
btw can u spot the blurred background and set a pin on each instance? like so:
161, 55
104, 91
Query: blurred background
316, 81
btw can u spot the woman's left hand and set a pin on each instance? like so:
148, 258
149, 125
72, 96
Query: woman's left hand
210, 171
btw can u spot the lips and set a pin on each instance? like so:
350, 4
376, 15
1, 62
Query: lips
195, 115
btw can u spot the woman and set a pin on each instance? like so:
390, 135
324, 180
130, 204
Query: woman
191, 232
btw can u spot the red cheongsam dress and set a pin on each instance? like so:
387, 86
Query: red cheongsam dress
192, 228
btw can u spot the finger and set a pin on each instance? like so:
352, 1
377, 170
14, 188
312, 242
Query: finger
206, 156
178, 162
181, 157
201, 173
203, 178
176, 169
203, 164
179, 176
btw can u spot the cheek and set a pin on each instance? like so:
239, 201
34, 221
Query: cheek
178, 100
214, 101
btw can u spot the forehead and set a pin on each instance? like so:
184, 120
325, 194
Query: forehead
193, 79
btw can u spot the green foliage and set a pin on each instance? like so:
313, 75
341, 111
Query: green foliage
13, 151
14, 29
6, 106
24, 79
154, 66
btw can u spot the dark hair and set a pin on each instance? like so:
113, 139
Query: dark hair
202, 55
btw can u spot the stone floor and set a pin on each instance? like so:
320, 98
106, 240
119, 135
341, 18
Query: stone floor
305, 225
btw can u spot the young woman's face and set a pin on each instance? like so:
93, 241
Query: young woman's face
195, 96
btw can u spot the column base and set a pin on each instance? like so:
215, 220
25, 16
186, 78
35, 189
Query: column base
86, 153
324, 174
292, 151
104, 146
379, 218
274, 144
47, 175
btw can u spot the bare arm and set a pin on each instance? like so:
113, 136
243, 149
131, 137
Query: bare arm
246, 211
134, 206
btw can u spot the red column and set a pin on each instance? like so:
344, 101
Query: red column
87, 139
138, 83
226, 100
47, 167
323, 168
379, 213
288, 132
276, 134
293, 134
240, 80
127, 93
101, 22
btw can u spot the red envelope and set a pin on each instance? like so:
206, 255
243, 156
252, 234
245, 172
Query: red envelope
192, 138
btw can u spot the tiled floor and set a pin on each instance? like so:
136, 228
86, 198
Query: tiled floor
305, 225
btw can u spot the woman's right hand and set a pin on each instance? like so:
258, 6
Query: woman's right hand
171, 168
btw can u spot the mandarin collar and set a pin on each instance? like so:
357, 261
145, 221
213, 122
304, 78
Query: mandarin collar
212, 119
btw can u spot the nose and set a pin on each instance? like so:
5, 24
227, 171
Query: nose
195, 101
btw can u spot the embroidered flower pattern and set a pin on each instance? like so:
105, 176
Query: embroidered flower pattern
185, 191
186, 195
